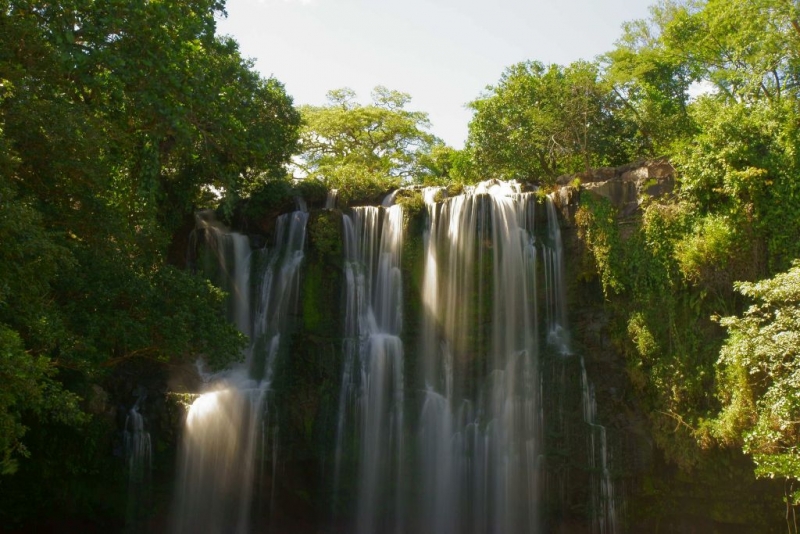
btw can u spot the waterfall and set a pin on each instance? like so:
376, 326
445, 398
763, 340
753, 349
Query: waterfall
139, 459
373, 378
603, 506
556, 300
450, 434
225, 434
479, 429
331, 199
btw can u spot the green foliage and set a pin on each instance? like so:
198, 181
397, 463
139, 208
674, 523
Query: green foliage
542, 121
596, 220
29, 262
706, 249
646, 345
352, 146
660, 319
271, 196
312, 191
748, 50
357, 185
736, 216
28, 387
743, 164
651, 80
445, 165
320, 288
117, 119
325, 234
760, 375
412, 202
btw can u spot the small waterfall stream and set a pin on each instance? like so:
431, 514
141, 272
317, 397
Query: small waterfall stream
139, 458
603, 506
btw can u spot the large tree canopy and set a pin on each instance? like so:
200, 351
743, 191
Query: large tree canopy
542, 121
382, 142
116, 118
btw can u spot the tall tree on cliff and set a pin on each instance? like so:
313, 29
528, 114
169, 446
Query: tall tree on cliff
347, 144
542, 121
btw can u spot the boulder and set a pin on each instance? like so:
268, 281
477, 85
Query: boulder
623, 186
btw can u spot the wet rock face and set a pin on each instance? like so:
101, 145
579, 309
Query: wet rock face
623, 186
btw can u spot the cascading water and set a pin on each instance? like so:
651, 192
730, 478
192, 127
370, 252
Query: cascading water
603, 515
373, 378
475, 464
479, 429
224, 434
603, 506
452, 438
139, 458
331, 199
556, 298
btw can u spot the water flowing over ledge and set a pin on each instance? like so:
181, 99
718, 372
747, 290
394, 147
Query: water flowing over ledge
445, 433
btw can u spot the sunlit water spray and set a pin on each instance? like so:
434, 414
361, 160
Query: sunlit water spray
225, 439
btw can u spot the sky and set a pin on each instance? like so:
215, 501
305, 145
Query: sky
444, 53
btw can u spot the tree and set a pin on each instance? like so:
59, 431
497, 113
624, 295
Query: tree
444, 165
346, 142
748, 50
759, 370
542, 121
652, 79
116, 117
742, 164
741, 52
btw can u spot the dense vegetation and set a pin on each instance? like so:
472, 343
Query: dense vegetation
119, 119
734, 218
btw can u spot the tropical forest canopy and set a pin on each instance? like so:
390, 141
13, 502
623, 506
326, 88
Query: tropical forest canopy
120, 119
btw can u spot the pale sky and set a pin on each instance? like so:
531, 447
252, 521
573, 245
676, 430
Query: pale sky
442, 52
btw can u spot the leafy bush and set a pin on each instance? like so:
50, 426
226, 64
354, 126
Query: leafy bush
707, 249
28, 387
271, 196
357, 185
759, 375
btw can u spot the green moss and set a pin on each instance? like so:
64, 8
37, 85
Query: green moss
413, 267
325, 236
412, 202
312, 287
455, 189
